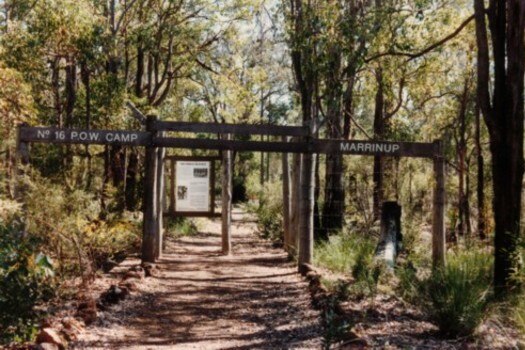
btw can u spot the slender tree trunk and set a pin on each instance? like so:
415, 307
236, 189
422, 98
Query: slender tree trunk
85, 76
140, 71
462, 153
334, 195
480, 186
71, 91
131, 181
466, 208
56, 92
379, 129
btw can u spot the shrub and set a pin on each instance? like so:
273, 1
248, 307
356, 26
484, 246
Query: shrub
26, 280
349, 252
269, 211
73, 233
456, 296
180, 227
366, 270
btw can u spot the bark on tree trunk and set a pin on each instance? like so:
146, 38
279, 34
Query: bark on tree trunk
480, 186
334, 206
379, 129
462, 227
131, 181
85, 76
504, 116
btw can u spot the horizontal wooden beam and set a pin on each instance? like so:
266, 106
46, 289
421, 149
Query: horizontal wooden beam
236, 129
78, 136
140, 138
371, 148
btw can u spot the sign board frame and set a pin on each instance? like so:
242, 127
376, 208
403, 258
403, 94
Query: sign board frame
171, 209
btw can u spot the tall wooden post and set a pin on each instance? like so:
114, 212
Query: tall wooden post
150, 224
161, 201
438, 220
286, 197
226, 199
296, 199
306, 219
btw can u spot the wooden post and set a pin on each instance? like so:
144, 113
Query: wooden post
161, 201
172, 186
212, 187
438, 220
286, 198
149, 232
226, 199
296, 199
306, 219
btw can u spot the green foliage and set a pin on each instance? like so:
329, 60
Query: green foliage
180, 227
366, 271
26, 280
456, 297
349, 252
335, 326
69, 224
269, 211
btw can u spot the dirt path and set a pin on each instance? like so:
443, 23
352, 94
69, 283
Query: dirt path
202, 300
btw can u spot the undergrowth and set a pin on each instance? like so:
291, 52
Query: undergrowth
27, 280
180, 227
269, 210
456, 298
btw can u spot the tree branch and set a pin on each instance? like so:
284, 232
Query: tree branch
426, 50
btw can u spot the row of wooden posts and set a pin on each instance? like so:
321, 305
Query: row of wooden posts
295, 140
295, 240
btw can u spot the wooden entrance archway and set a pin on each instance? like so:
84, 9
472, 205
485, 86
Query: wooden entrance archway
296, 139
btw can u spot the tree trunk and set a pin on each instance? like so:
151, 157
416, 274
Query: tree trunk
461, 154
334, 201
140, 71
379, 129
480, 186
504, 117
56, 92
85, 76
71, 91
131, 181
